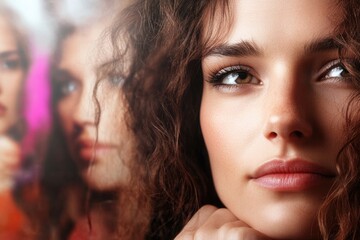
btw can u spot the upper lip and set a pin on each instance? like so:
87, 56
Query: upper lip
289, 166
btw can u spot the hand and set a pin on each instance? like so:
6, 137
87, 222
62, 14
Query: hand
211, 223
9, 161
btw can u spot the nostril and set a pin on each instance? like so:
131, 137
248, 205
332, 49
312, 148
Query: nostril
273, 135
297, 134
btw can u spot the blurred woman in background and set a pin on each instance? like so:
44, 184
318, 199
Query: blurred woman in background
85, 178
14, 64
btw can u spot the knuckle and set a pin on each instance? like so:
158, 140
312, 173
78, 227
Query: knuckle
222, 211
208, 208
201, 235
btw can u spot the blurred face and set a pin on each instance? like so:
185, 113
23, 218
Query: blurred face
12, 74
101, 161
272, 113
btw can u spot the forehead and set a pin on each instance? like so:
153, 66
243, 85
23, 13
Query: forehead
85, 47
275, 20
7, 36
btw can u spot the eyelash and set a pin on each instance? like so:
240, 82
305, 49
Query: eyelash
217, 78
333, 66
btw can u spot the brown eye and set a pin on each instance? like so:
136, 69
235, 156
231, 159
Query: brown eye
238, 78
235, 75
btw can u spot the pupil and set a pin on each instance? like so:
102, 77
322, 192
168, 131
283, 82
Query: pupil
242, 75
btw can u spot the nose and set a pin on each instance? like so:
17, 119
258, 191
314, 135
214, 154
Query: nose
287, 113
85, 110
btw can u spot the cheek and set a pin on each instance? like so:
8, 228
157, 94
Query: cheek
225, 143
113, 116
10, 97
229, 126
66, 110
331, 110
226, 139
12, 90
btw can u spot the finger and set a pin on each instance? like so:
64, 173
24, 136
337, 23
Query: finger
220, 217
195, 222
210, 228
206, 225
10, 154
238, 230
200, 217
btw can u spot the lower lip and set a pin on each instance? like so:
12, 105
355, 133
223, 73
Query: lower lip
291, 182
2, 110
90, 154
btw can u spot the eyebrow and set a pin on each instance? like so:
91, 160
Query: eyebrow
321, 45
9, 53
62, 74
241, 49
249, 48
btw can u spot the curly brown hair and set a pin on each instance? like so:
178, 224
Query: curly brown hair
339, 216
166, 53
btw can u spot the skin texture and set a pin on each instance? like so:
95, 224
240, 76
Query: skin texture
12, 75
101, 164
287, 106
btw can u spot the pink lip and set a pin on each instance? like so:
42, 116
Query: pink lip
89, 149
291, 175
2, 110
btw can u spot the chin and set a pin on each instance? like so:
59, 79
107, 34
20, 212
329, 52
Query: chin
291, 233
98, 185
98, 182
290, 223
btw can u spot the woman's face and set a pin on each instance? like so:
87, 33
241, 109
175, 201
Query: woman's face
12, 74
101, 164
272, 113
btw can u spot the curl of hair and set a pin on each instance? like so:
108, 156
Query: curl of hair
339, 216
162, 88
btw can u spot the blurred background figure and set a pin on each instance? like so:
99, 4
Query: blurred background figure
85, 176
14, 65
65, 150
13, 69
